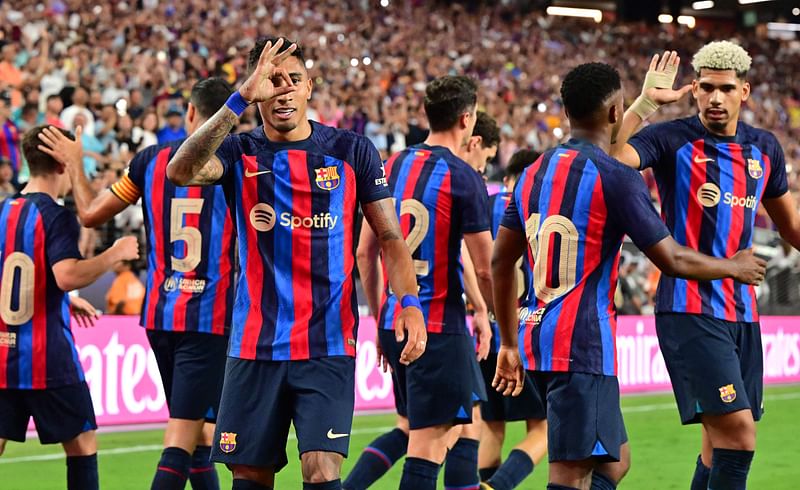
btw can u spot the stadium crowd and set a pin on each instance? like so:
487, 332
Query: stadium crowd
123, 72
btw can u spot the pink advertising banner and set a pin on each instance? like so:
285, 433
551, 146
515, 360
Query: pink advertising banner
123, 376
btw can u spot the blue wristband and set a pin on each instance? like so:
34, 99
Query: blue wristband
236, 103
410, 300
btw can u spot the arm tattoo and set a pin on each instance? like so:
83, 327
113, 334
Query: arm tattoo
195, 163
389, 235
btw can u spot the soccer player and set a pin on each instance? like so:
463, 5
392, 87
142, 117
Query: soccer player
293, 187
40, 375
570, 211
712, 172
440, 201
189, 293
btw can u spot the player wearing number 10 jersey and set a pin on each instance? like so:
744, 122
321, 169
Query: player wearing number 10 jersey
570, 212
40, 374
189, 297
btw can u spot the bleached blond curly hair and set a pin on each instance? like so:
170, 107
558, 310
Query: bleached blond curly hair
722, 55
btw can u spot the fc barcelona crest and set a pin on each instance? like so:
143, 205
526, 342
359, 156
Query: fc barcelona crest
727, 393
227, 442
327, 178
754, 168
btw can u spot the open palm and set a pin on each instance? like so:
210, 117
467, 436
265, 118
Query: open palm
660, 79
268, 80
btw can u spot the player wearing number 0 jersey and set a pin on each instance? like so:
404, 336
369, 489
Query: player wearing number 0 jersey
189, 294
712, 172
40, 373
570, 212
294, 188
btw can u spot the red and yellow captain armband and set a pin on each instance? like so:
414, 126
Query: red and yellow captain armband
126, 190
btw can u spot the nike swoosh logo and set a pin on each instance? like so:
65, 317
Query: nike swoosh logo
248, 173
697, 159
332, 435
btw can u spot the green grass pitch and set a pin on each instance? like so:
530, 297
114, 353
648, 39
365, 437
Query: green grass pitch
663, 452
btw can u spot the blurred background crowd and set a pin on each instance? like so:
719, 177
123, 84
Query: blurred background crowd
123, 71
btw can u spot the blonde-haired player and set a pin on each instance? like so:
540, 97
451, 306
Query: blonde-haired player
712, 171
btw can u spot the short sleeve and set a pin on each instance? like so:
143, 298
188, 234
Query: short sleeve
228, 153
371, 180
630, 207
61, 236
777, 184
474, 203
650, 144
512, 217
138, 167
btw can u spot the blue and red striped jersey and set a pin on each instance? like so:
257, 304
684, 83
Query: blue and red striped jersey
710, 188
438, 198
9, 144
497, 206
190, 251
294, 206
575, 205
37, 350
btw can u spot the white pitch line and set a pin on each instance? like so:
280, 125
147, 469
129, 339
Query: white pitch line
371, 430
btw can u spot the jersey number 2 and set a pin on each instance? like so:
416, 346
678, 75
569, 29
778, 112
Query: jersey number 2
17, 261
422, 221
188, 234
541, 240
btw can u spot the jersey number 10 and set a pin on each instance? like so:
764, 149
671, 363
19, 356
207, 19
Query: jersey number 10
541, 236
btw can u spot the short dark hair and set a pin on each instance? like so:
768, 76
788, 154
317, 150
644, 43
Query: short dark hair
486, 128
39, 162
446, 98
519, 161
53, 96
209, 95
255, 53
30, 107
587, 87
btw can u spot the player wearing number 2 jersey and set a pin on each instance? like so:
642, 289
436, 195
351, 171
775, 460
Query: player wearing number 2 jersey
189, 297
569, 213
40, 374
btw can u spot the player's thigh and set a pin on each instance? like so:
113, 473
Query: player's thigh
702, 358
163, 344
198, 376
441, 384
62, 413
254, 416
320, 466
751, 360
584, 419
324, 396
431, 443
14, 414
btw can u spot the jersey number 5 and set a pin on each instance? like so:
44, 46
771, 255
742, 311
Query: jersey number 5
17, 262
190, 235
541, 238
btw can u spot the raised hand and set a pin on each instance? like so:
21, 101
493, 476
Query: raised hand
660, 79
66, 151
268, 80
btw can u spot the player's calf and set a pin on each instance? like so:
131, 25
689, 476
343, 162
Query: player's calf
379, 457
489, 453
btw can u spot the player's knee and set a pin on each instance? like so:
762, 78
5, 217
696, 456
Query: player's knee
85, 444
735, 430
497, 429
402, 424
320, 466
264, 476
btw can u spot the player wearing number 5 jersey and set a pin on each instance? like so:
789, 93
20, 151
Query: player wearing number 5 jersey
189, 295
40, 374
569, 213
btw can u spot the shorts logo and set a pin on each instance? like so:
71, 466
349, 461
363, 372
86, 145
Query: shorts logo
227, 442
709, 194
727, 393
262, 217
754, 168
327, 178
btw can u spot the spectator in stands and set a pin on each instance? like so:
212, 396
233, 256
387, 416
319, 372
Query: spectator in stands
7, 189
9, 134
80, 99
52, 111
127, 292
174, 129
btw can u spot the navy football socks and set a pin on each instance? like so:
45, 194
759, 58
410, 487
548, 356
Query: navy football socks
239, 484
202, 474
602, 482
377, 459
700, 478
511, 473
461, 465
729, 469
173, 469
419, 474
82, 473
486, 473
328, 485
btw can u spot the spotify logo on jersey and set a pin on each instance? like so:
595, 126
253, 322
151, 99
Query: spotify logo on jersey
708, 194
262, 217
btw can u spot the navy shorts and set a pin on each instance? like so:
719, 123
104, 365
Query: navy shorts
60, 414
716, 367
261, 399
584, 419
499, 408
192, 367
441, 386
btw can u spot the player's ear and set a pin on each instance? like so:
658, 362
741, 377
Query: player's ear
190, 114
310, 86
695, 88
745, 91
474, 142
613, 114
